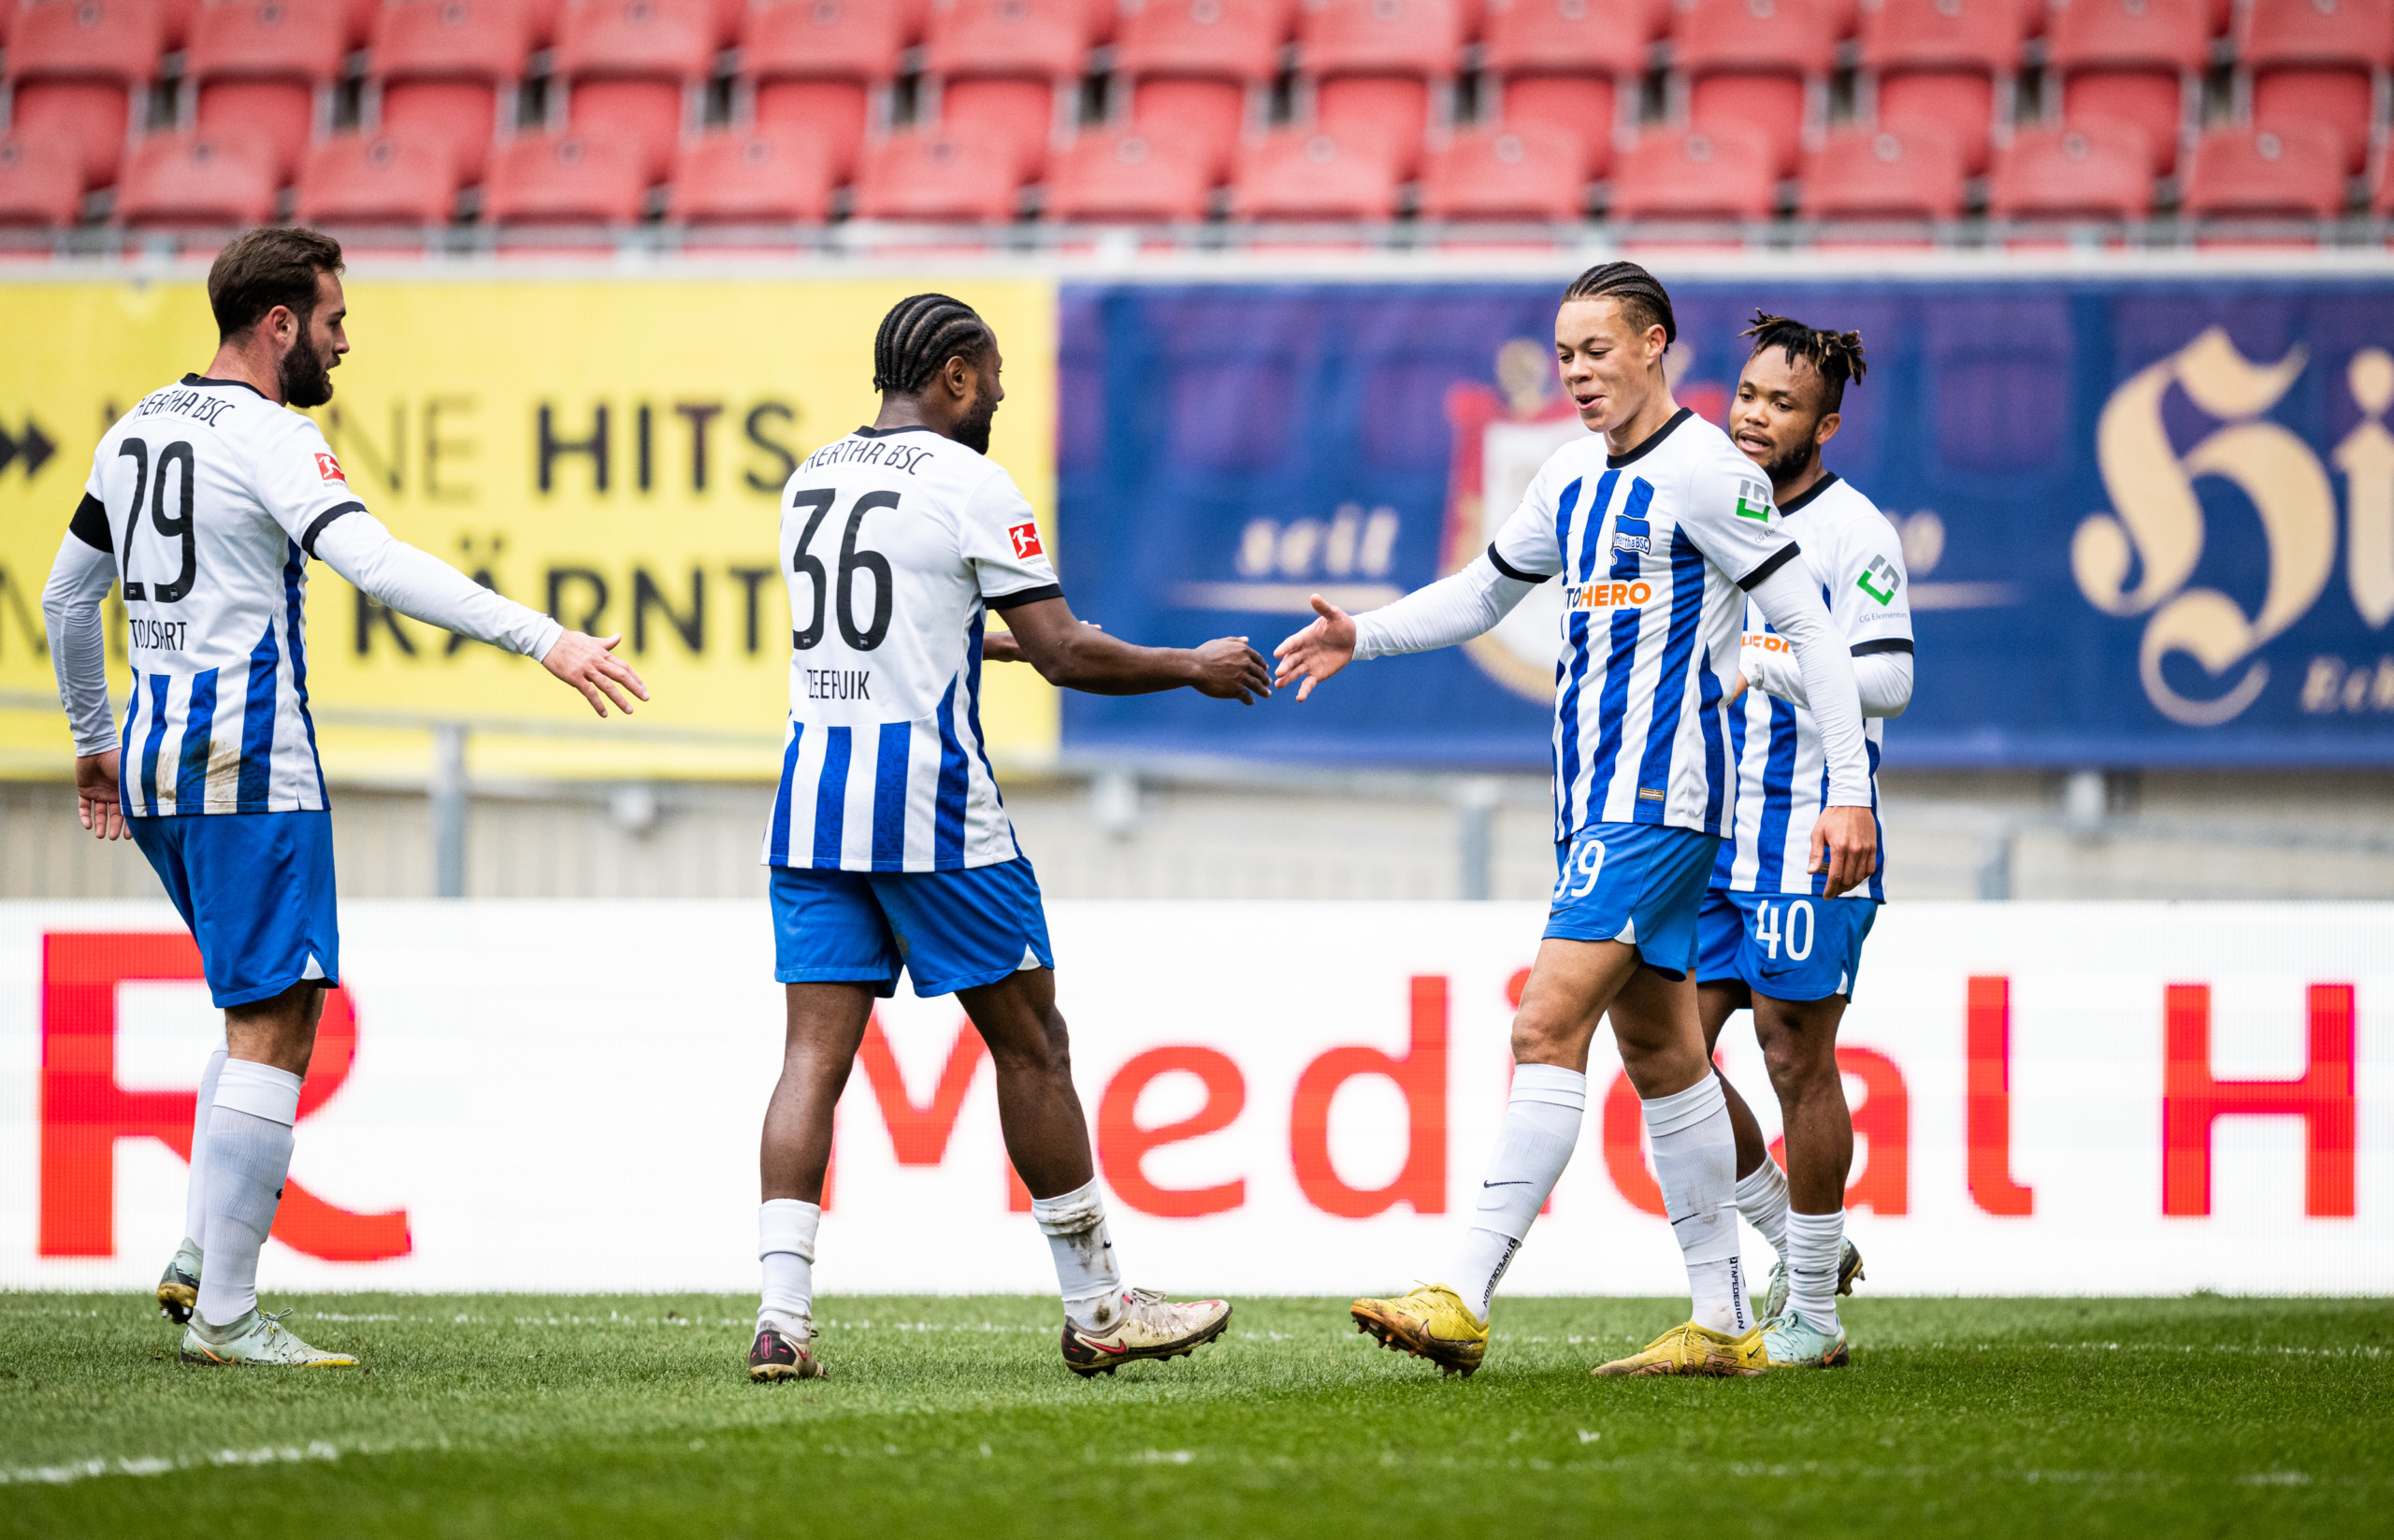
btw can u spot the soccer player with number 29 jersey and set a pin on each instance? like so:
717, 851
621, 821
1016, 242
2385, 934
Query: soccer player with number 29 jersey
1772, 937
207, 501
1661, 531
889, 847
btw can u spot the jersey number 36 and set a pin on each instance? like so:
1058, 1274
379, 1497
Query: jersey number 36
837, 594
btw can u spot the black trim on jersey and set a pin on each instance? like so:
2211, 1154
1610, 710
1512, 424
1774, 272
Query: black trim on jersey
1754, 579
1827, 481
316, 526
1017, 599
1512, 571
1885, 645
203, 380
90, 524
1615, 462
883, 433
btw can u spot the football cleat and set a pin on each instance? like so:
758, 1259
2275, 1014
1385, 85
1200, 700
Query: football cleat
1692, 1349
1431, 1322
258, 1338
1146, 1326
1794, 1343
1849, 1271
179, 1285
778, 1355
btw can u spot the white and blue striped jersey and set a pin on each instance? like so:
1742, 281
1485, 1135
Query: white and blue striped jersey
895, 543
1858, 558
210, 498
1654, 548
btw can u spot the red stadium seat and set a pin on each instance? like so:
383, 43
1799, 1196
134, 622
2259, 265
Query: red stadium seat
1885, 175
1760, 64
1725, 173
192, 179
2098, 170
265, 71
1298, 175
757, 176
81, 73
1129, 178
1530, 173
2381, 192
1197, 69
824, 65
1945, 64
634, 69
358, 180
1009, 70
2321, 61
444, 73
564, 178
2137, 62
1570, 65
541, 19
1382, 70
2295, 172
941, 178
42, 183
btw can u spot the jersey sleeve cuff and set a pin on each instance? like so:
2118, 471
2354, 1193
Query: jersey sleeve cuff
1761, 575
1496, 559
1021, 597
1882, 644
91, 525
316, 526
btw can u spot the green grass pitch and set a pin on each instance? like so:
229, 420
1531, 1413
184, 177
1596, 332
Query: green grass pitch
518, 1415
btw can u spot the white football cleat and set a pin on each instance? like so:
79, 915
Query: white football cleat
1146, 1325
1849, 1269
258, 1338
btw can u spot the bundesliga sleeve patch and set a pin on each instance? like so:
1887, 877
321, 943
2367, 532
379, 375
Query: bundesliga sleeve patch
329, 468
1025, 539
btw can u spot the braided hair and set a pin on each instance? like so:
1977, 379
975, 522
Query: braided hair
918, 337
1837, 355
1644, 302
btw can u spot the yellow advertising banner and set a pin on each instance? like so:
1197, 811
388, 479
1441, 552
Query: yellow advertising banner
609, 450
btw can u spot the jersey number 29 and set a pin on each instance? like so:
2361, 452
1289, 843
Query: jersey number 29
177, 529
838, 595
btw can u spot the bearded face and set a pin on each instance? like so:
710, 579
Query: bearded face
972, 432
306, 372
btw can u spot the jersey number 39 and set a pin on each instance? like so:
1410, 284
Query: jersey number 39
837, 594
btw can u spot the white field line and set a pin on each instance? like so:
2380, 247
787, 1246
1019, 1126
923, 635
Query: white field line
84, 1470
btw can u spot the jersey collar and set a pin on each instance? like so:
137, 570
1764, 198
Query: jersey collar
203, 380
883, 433
1615, 462
1828, 480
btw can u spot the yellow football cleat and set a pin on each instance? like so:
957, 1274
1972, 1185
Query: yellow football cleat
1692, 1349
1432, 1322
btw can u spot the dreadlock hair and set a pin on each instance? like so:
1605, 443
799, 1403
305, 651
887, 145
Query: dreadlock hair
1640, 295
918, 337
1837, 355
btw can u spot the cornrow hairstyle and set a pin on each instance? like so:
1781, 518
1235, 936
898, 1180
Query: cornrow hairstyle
1640, 295
1837, 355
918, 337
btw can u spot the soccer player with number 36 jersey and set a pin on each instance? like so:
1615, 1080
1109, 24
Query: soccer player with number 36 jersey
207, 501
1772, 937
889, 847
1660, 532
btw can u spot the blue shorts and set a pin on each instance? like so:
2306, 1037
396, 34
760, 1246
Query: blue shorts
1783, 947
256, 889
949, 930
1634, 882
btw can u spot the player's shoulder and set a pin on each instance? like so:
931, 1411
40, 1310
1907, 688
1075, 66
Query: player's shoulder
1840, 509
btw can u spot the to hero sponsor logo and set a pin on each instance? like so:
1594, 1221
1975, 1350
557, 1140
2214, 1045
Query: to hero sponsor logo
1605, 596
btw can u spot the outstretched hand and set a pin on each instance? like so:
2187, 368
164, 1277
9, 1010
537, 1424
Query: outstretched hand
1319, 651
1230, 670
97, 798
590, 664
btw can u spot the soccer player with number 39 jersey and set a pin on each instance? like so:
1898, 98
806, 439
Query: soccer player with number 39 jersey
1772, 937
207, 501
1660, 532
889, 847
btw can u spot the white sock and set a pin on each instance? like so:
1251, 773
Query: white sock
1092, 1284
785, 1245
1761, 1198
1695, 1164
1814, 1242
196, 1196
249, 1154
1533, 1144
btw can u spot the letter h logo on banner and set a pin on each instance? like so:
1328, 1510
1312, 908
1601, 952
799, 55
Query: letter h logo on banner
2192, 1099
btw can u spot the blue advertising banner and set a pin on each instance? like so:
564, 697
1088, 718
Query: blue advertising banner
2148, 522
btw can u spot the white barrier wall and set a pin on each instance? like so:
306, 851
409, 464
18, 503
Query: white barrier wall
1287, 1098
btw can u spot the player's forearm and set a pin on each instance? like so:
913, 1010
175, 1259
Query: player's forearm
1793, 606
1451, 611
422, 586
1882, 680
1098, 664
70, 609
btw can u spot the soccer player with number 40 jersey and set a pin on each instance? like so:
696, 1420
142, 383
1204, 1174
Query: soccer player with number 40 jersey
1772, 936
